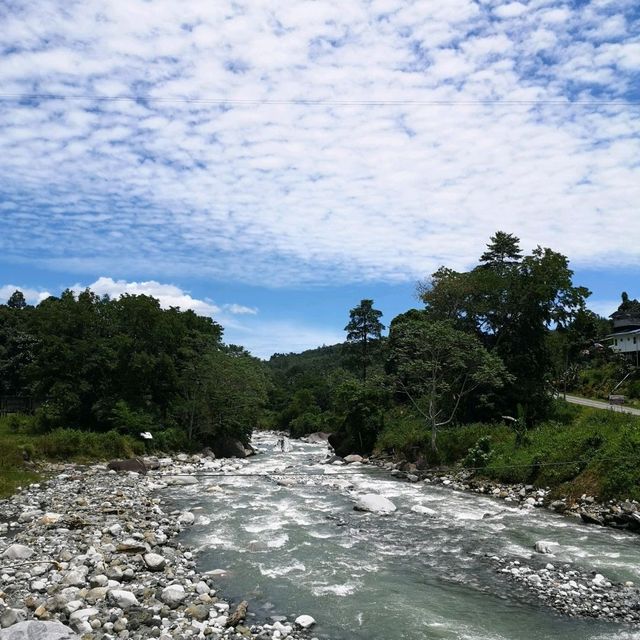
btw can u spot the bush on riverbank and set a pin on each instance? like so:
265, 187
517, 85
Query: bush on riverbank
581, 451
19, 447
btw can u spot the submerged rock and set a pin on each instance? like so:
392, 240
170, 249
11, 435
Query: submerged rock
375, 504
418, 508
542, 546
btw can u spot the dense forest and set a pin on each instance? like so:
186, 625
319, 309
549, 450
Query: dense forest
489, 345
127, 365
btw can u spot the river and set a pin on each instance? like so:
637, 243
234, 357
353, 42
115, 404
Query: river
301, 548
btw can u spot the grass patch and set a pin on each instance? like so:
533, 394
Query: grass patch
19, 445
582, 450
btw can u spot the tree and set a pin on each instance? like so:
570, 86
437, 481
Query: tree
510, 303
435, 366
16, 300
364, 326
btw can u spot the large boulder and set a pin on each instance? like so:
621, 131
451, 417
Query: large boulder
35, 630
17, 552
132, 464
316, 438
342, 444
229, 448
375, 504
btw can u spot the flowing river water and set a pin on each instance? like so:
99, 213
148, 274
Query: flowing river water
299, 547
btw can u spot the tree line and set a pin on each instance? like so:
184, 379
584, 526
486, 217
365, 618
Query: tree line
96, 363
488, 344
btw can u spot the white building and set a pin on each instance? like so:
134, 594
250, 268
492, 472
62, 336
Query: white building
625, 338
626, 341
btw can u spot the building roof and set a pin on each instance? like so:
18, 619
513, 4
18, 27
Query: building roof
632, 332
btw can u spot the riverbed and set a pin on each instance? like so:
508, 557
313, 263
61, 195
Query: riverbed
284, 531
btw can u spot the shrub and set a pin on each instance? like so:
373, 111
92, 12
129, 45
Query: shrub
63, 444
479, 455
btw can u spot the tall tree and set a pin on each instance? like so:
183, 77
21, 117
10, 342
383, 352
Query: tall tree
17, 300
511, 302
364, 326
436, 366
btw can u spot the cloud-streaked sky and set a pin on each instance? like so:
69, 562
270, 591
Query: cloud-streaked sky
229, 148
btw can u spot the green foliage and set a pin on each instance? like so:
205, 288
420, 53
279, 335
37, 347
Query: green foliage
171, 439
98, 364
360, 412
130, 421
73, 444
510, 302
479, 455
435, 366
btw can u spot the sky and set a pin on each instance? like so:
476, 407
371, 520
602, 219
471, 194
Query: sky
272, 163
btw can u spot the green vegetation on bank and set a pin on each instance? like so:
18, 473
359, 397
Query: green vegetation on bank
22, 447
469, 379
578, 450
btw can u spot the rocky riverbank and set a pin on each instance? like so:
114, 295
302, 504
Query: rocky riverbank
96, 554
623, 515
566, 588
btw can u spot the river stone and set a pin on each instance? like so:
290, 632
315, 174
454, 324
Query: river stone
305, 621
353, 458
95, 594
154, 561
425, 511
50, 518
34, 630
197, 611
10, 617
29, 515
17, 552
123, 599
173, 595
83, 614
375, 504
542, 546
75, 578
186, 518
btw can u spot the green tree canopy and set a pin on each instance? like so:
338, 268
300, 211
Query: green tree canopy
16, 300
435, 366
510, 302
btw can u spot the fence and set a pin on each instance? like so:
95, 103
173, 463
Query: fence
16, 404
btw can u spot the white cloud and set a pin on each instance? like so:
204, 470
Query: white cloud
32, 296
287, 193
239, 309
167, 294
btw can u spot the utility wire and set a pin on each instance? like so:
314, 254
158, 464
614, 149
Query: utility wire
6, 97
355, 473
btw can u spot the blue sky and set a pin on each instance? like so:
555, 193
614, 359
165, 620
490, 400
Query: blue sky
270, 164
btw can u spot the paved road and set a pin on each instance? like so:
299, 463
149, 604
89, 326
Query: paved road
597, 404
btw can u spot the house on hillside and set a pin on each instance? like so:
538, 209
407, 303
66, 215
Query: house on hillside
625, 338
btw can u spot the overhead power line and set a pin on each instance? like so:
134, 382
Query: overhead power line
6, 97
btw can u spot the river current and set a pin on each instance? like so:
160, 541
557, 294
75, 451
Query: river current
297, 546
